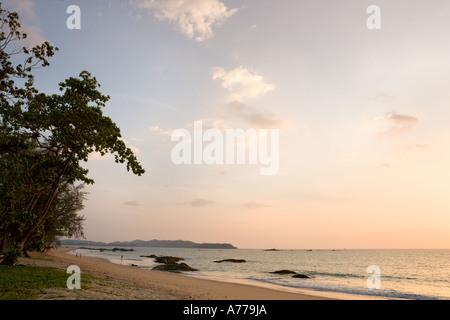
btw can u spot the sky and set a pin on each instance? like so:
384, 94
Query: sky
362, 115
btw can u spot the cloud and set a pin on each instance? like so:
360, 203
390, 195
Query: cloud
254, 117
396, 124
242, 84
255, 205
157, 129
199, 203
29, 21
96, 156
135, 150
194, 18
25, 8
417, 146
132, 204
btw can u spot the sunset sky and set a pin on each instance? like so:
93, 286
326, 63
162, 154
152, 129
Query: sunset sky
363, 115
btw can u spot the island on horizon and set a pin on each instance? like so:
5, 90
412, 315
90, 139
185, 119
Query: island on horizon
178, 244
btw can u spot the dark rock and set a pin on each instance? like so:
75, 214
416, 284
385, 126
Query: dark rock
103, 249
133, 265
150, 256
282, 272
168, 260
174, 267
121, 249
295, 274
301, 276
231, 260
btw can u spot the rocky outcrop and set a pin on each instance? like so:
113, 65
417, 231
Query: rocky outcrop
103, 249
170, 264
231, 260
293, 273
301, 276
174, 267
167, 259
283, 272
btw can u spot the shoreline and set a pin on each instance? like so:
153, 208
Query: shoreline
134, 283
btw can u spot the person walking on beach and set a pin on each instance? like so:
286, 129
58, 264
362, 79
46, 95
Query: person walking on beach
121, 259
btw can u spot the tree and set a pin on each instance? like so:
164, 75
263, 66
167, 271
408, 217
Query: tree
63, 219
44, 139
18, 161
12, 95
65, 128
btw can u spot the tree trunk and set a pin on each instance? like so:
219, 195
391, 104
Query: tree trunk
27, 236
3, 240
10, 259
25, 253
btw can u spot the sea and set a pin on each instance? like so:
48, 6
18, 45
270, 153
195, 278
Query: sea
396, 274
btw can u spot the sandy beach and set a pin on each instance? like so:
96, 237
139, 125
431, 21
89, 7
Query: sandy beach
120, 282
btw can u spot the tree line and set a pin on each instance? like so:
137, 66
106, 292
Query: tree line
44, 140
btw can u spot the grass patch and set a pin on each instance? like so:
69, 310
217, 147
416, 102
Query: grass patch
26, 283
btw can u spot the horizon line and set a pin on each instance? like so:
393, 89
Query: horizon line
244, 248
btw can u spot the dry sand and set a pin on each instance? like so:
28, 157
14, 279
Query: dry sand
118, 282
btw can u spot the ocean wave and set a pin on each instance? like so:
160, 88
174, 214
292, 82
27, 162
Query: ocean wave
345, 289
333, 274
355, 276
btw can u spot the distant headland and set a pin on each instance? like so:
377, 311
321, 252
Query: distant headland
178, 244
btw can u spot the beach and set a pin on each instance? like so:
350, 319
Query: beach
122, 282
